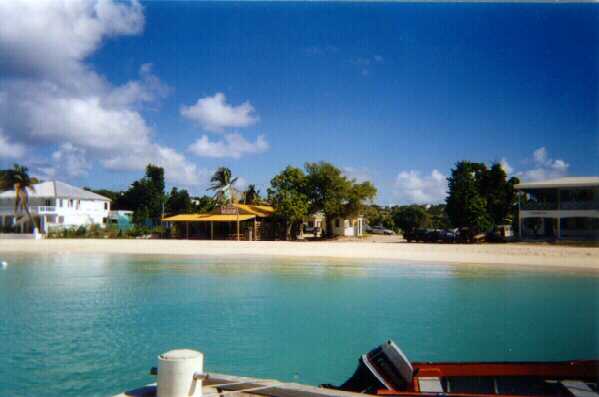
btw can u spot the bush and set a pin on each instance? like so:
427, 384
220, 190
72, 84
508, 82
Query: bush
110, 231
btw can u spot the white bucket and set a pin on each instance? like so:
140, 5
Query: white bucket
176, 370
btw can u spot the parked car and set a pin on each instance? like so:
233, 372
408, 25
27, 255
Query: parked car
471, 235
416, 235
432, 235
309, 229
379, 230
449, 235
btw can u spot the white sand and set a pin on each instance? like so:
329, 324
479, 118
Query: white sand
538, 255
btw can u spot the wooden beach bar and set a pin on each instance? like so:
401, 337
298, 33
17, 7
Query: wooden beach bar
226, 222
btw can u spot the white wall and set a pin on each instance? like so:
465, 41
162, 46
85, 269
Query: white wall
75, 213
63, 212
346, 227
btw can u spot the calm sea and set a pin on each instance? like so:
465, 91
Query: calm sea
93, 325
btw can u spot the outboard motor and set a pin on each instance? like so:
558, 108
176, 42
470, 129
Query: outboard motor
385, 367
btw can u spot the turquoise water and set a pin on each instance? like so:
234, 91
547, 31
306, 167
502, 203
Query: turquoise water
93, 325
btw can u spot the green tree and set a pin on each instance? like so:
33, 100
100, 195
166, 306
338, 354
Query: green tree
18, 178
203, 204
178, 202
251, 195
499, 193
358, 196
287, 194
411, 217
438, 216
466, 206
222, 183
376, 215
146, 197
329, 191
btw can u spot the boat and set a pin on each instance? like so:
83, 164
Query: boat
386, 371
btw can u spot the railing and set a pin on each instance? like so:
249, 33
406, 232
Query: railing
543, 206
579, 205
40, 209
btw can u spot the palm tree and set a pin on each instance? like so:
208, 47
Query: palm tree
251, 195
222, 184
18, 179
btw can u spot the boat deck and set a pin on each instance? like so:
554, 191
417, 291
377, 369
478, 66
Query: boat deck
220, 385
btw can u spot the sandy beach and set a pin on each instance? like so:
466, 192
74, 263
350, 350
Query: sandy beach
537, 255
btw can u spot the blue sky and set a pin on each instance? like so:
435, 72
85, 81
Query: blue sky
394, 93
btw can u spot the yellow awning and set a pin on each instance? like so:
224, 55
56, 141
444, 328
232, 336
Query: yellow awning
208, 218
259, 210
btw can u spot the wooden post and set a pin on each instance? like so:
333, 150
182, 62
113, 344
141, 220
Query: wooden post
559, 209
187, 230
211, 230
255, 238
237, 210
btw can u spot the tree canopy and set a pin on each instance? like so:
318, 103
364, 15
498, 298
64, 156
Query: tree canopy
146, 197
480, 197
251, 195
333, 193
287, 193
222, 183
178, 202
18, 178
322, 187
411, 217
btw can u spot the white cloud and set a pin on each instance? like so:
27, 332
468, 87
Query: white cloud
215, 114
412, 188
360, 174
177, 168
147, 89
506, 166
233, 145
51, 38
10, 149
70, 160
50, 96
540, 155
544, 167
82, 120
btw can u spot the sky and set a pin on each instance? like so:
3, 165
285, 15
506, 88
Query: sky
92, 91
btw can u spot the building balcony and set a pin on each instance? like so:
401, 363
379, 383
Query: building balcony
36, 209
579, 205
538, 206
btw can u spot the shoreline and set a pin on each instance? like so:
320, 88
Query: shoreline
510, 254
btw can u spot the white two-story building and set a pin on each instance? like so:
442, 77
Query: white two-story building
564, 208
55, 204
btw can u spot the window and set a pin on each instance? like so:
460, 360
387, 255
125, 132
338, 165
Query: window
106, 206
104, 220
48, 202
61, 219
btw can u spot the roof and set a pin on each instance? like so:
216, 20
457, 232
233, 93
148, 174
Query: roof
57, 189
573, 181
262, 211
208, 218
